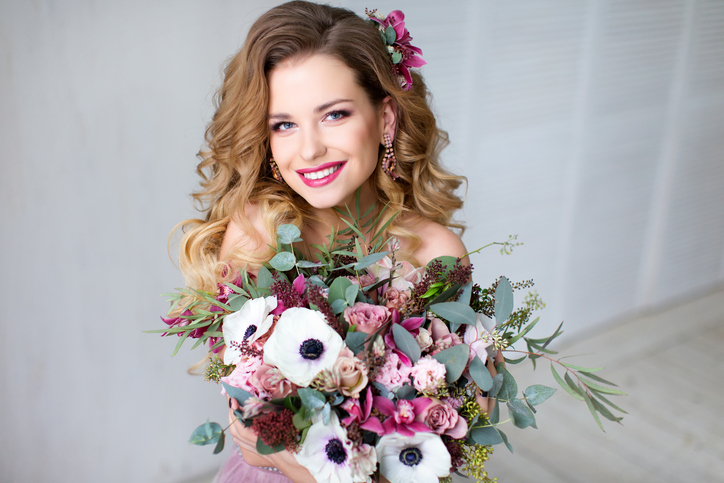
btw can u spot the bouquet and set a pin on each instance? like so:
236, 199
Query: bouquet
363, 365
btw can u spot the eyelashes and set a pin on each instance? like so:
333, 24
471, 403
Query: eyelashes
335, 115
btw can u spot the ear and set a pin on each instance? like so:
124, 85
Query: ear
389, 118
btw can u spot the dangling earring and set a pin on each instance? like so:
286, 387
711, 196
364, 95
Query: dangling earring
275, 170
389, 162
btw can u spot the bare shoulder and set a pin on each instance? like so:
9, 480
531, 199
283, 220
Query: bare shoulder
436, 241
239, 237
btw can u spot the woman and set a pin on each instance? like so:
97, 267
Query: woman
313, 109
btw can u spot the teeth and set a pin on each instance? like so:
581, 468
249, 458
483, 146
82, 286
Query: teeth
321, 173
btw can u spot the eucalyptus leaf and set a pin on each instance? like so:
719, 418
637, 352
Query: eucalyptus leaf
405, 342
509, 390
503, 301
527, 329
605, 390
538, 393
602, 398
390, 35
220, 443
264, 278
338, 289
505, 440
263, 449
308, 264
486, 436
239, 394
369, 260
605, 412
355, 341
311, 398
300, 422
406, 392
396, 57
515, 361
350, 294
480, 374
592, 408
283, 261
466, 293
288, 234
581, 369
338, 306
565, 386
497, 385
572, 384
495, 413
455, 312
597, 378
446, 260
326, 413
236, 302
207, 433
521, 414
455, 359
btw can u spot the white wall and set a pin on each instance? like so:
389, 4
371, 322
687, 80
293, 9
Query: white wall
593, 129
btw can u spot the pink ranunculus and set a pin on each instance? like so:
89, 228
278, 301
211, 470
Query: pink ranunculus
443, 419
367, 317
427, 374
395, 298
242, 374
270, 382
393, 373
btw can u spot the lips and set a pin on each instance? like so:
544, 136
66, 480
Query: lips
321, 175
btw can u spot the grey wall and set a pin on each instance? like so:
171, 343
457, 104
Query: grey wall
593, 129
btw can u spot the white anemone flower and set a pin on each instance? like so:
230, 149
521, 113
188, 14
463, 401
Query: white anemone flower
302, 345
247, 324
331, 457
422, 458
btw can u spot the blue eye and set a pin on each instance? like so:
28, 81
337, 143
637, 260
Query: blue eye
337, 115
282, 126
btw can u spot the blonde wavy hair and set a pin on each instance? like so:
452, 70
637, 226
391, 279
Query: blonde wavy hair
235, 168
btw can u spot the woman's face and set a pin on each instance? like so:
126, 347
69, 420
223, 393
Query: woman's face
325, 133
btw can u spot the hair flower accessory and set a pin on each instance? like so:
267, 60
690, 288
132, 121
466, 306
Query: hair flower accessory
397, 40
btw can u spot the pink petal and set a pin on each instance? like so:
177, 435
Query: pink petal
459, 431
414, 61
420, 404
299, 285
412, 323
374, 425
418, 427
384, 405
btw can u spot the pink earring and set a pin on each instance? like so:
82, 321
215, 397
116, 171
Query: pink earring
389, 162
275, 170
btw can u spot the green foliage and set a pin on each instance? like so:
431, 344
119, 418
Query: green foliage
216, 369
455, 359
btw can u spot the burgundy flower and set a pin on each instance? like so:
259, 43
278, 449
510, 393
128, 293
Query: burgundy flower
404, 54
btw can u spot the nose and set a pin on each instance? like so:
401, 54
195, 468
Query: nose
312, 145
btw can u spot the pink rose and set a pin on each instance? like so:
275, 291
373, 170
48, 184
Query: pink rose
349, 374
443, 419
270, 382
395, 298
367, 317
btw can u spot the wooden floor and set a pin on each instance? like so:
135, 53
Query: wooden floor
672, 368
671, 365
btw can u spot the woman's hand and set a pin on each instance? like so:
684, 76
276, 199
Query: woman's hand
284, 461
487, 404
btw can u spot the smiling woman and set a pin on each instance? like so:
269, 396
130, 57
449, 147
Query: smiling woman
316, 109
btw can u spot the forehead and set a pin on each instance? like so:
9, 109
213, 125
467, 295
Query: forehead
299, 84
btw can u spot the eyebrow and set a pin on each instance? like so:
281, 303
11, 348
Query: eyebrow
317, 109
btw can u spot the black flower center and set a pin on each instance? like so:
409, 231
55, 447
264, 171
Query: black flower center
251, 330
410, 456
335, 451
311, 349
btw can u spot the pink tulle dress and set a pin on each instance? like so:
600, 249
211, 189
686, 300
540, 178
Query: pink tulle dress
236, 470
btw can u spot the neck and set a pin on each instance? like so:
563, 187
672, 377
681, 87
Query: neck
352, 210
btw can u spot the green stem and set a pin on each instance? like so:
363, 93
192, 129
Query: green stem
540, 354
